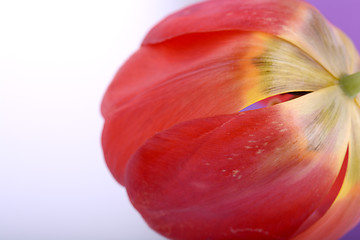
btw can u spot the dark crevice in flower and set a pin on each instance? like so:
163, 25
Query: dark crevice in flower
270, 101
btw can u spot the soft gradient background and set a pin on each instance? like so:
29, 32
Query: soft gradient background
56, 60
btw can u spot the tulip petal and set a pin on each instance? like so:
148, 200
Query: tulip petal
352, 54
197, 76
269, 16
344, 213
294, 21
239, 176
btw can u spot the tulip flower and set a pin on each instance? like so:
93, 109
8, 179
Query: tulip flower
196, 166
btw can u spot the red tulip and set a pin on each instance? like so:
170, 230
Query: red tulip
196, 167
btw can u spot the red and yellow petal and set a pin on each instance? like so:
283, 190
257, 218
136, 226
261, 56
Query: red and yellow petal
294, 21
344, 213
240, 175
197, 76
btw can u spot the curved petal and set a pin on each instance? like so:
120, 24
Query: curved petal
196, 76
239, 176
344, 213
292, 20
269, 16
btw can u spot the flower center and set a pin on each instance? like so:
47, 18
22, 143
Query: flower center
350, 84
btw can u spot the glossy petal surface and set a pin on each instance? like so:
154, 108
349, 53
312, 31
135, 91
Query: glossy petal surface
228, 177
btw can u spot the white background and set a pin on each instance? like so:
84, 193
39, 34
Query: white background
56, 60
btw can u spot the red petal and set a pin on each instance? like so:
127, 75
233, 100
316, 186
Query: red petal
268, 16
251, 175
169, 83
